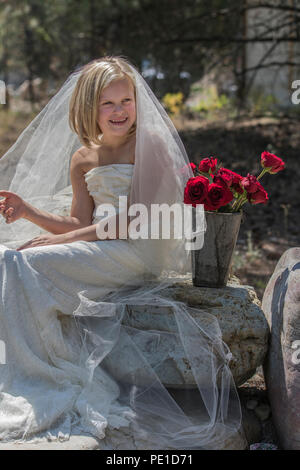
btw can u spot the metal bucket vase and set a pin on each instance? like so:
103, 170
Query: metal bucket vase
211, 264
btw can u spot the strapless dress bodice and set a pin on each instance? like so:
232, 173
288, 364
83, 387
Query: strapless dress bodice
107, 182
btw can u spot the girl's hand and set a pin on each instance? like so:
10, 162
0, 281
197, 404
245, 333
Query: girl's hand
45, 239
13, 207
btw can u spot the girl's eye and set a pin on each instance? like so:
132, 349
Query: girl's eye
109, 102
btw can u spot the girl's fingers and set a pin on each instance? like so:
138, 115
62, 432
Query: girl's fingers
8, 213
23, 246
27, 244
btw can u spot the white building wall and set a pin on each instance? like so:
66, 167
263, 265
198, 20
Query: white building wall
275, 81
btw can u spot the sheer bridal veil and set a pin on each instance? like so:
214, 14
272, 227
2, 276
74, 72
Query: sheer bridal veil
37, 169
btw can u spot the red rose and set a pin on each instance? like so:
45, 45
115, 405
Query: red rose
208, 163
217, 179
250, 183
217, 196
271, 162
195, 190
260, 196
229, 178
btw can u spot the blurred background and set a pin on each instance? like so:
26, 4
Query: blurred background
225, 70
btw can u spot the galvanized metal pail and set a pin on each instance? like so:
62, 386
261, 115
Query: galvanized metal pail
211, 264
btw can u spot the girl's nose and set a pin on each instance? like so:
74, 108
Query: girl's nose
118, 107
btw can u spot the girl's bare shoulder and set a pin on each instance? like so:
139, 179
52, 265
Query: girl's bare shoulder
85, 158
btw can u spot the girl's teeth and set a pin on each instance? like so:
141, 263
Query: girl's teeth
119, 122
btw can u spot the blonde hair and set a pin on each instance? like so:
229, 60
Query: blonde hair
84, 103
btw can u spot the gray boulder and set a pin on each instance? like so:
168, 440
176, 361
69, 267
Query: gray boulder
242, 323
281, 305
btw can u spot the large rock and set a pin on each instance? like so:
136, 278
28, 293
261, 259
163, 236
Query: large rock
281, 305
242, 322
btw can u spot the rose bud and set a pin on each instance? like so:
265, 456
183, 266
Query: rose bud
208, 163
272, 163
195, 190
217, 196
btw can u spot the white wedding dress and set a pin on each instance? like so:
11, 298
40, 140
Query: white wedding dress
60, 321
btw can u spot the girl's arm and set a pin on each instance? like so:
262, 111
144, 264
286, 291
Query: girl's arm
90, 234
81, 210
53, 223
62, 228
87, 234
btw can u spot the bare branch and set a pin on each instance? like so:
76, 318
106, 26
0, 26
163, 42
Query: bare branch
226, 39
272, 7
270, 64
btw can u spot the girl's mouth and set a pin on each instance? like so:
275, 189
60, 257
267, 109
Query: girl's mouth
118, 122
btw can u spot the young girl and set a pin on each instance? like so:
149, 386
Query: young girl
77, 360
109, 139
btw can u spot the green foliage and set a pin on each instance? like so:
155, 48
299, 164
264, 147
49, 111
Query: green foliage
173, 102
196, 88
210, 101
261, 103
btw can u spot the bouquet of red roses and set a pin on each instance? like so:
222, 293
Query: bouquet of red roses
223, 190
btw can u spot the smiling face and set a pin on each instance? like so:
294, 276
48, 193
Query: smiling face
117, 112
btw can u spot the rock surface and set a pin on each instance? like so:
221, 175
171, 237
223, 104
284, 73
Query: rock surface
251, 425
75, 443
242, 322
281, 305
262, 412
255, 392
121, 439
